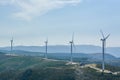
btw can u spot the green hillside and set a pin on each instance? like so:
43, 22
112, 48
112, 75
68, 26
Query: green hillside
37, 68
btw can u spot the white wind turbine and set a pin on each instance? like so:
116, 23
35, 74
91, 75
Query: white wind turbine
46, 48
71, 48
103, 39
11, 44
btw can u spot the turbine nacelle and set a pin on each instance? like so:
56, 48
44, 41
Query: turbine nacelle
11, 40
46, 41
103, 39
71, 42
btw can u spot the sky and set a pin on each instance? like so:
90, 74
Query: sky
31, 22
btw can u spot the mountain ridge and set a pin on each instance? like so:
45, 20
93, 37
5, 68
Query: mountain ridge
89, 49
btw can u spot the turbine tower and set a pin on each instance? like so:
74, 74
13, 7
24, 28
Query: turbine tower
71, 48
103, 39
46, 48
11, 44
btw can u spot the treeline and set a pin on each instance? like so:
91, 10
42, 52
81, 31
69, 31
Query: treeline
39, 74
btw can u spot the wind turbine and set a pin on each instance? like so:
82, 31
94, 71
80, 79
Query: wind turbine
11, 44
71, 48
46, 48
103, 39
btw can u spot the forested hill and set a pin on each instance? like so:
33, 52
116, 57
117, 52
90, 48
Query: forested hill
37, 68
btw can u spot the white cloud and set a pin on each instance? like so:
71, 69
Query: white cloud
31, 8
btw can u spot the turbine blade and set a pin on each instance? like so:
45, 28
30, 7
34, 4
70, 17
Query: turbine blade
107, 36
102, 33
73, 37
47, 40
74, 47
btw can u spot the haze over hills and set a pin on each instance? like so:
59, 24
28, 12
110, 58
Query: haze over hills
88, 49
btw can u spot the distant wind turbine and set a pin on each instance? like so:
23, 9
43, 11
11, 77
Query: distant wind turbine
46, 48
103, 39
11, 44
71, 48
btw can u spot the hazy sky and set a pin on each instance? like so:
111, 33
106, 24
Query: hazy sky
30, 22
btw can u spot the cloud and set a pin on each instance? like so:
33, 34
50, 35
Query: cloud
32, 8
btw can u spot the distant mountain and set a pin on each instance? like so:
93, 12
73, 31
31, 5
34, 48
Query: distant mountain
114, 51
21, 52
89, 49
79, 57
